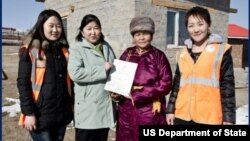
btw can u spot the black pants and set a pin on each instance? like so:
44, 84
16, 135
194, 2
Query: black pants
178, 121
91, 134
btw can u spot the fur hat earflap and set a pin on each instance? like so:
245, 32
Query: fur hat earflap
142, 24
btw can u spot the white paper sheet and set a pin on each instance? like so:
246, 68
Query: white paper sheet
121, 77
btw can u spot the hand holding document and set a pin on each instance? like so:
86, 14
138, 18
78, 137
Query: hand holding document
121, 77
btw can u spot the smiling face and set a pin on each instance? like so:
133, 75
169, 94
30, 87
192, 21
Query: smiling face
142, 39
52, 28
197, 28
92, 32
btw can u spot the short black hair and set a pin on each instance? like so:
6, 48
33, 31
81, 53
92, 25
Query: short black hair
198, 12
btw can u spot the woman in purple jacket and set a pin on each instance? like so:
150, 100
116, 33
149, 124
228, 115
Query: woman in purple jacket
152, 82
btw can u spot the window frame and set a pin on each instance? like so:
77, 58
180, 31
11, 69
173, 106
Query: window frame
176, 30
65, 28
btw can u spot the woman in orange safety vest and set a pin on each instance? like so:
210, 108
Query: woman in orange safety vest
43, 81
204, 89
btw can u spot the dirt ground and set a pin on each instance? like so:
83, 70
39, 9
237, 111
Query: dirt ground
12, 132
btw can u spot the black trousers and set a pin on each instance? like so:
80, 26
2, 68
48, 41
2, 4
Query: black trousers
178, 121
91, 134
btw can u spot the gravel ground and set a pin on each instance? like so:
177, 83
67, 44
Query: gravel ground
11, 131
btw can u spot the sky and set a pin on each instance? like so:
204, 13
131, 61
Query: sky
242, 16
22, 14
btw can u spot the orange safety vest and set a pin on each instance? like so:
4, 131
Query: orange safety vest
199, 97
37, 76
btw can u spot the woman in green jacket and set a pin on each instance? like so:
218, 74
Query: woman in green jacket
90, 60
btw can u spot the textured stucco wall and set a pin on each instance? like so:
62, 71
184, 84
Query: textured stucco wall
116, 15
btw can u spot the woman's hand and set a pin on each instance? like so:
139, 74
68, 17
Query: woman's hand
116, 97
170, 119
108, 66
30, 122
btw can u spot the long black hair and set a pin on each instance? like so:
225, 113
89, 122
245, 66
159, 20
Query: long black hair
37, 31
85, 21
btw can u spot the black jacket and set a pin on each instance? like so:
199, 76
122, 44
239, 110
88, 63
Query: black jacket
54, 105
227, 87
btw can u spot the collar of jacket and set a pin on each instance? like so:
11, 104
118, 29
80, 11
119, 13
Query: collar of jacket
36, 43
107, 51
213, 38
86, 44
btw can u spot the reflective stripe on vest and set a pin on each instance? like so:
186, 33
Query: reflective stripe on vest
210, 82
35, 72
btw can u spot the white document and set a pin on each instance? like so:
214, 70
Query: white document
121, 77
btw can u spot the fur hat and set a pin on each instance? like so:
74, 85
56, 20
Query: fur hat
142, 24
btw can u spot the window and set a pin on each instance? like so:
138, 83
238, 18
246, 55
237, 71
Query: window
176, 30
64, 22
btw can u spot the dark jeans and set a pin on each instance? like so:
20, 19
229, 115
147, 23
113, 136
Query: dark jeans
91, 134
52, 134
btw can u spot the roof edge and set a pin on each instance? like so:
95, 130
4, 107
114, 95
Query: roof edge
40, 0
236, 37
